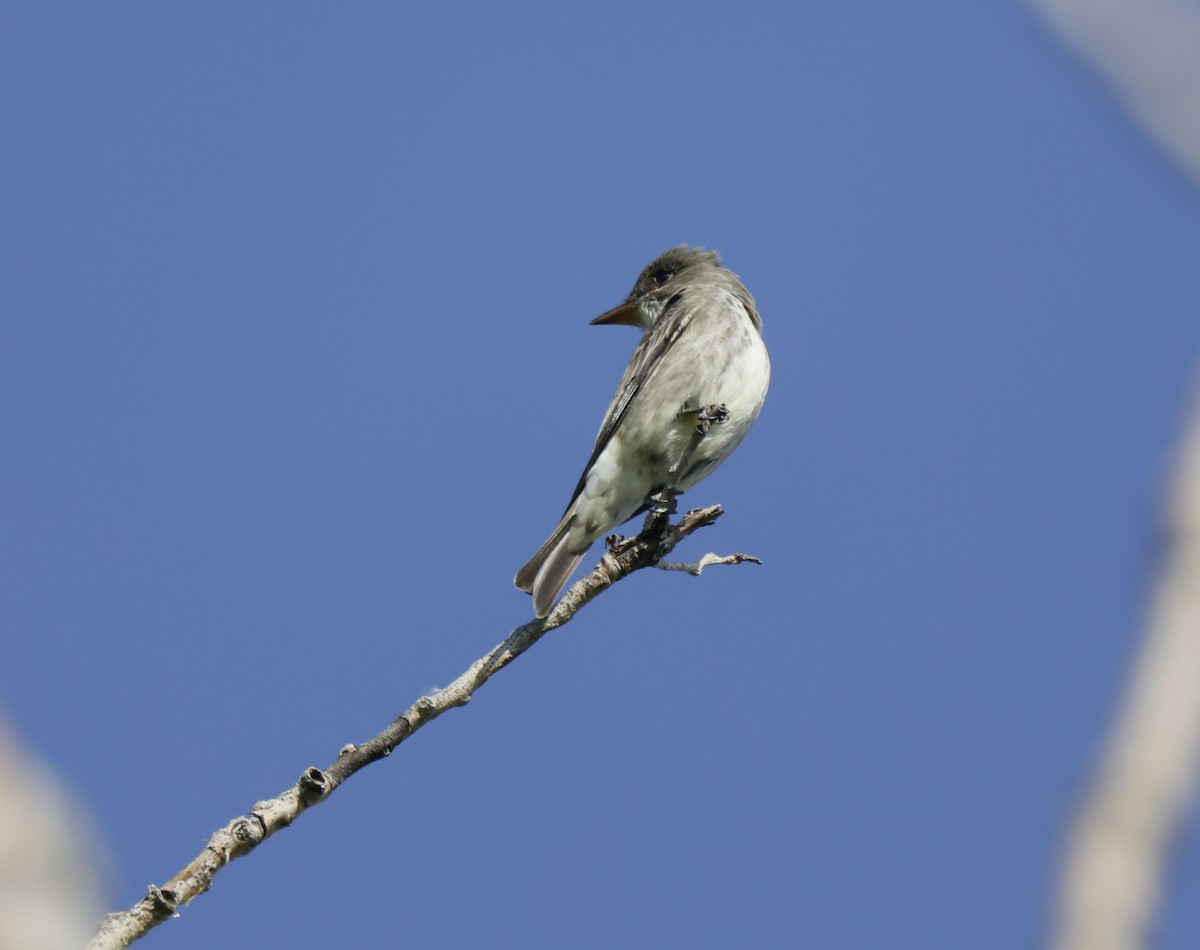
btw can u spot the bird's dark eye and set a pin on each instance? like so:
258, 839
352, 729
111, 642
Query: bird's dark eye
661, 276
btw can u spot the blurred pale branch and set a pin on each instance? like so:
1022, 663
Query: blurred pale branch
1116, 857
49, 883
1115, 863
242, 835
1149, 50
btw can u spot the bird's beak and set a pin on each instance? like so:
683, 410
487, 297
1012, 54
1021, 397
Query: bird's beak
626, 313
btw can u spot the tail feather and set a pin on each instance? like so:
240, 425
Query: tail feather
553, 577
528, 574
548, 571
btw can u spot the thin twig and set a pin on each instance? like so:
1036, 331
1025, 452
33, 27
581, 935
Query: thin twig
696, 568
245, 833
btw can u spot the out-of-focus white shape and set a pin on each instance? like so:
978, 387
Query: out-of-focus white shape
1116, 857
1150, 51
48, 887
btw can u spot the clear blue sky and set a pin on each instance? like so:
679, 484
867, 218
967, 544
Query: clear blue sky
295, 371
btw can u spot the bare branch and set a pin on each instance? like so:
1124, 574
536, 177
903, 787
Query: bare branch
696, 568
242, 835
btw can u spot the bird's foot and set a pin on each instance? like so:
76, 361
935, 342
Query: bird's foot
663, 503
616, 543
662, 506
708, 416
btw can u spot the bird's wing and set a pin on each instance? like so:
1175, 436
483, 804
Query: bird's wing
674, 319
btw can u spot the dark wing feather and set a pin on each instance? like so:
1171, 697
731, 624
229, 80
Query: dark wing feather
671, 323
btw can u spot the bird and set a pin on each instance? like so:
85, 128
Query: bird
693, 388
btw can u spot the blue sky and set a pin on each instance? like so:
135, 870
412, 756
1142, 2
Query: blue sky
295, 371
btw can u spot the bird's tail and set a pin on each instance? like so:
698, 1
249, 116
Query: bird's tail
548, 571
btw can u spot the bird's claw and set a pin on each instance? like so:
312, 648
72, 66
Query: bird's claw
616, 543
663, 504
709, 416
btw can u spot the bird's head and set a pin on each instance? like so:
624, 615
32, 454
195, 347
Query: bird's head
661, 280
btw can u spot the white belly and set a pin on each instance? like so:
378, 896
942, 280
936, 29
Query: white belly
707, 366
